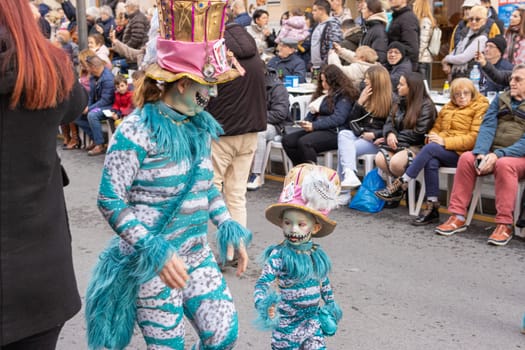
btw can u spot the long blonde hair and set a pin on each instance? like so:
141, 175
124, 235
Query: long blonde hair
380, 102
422, 9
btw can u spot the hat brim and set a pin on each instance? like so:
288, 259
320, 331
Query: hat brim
156, 72
274, 215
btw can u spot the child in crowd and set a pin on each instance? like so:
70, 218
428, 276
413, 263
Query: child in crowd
294, 28
123, 104
297, 267
96, 44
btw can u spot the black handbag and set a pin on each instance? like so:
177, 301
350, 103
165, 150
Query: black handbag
355, 127
291, 129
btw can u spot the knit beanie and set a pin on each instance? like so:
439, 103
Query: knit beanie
500, 43
399, 46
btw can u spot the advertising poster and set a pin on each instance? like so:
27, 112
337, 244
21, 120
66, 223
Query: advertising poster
506, 7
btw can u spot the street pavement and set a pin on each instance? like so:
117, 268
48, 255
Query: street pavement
400, 287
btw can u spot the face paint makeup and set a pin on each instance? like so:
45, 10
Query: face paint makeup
297, 226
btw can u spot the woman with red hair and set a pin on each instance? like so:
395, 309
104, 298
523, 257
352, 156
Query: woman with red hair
38, 92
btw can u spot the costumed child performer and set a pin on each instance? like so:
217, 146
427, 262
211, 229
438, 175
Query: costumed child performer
294, 278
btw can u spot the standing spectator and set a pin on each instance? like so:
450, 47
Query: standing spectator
240, 16
339, 11
101, 97
294, 27
287, 62
105, 24
494, 49
37, 281
136, 31
92, 14
360, 61
423, 12
493, 15
278, 115
515, 37
499, 150
405, 29
240, 108
374, 28
352, 34
398, 63
327, 32
264, 37
329, 111
304, 48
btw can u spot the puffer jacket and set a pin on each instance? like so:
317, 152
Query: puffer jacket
335, 119
374, 35
459, 126
411, 137
369, 124
294, 28
136, 32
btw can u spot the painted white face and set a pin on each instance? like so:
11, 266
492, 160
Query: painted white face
298, 226
190, 98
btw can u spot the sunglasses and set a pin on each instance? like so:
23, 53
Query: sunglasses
475, 19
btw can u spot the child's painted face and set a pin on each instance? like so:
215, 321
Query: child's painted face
298, 226
122, 88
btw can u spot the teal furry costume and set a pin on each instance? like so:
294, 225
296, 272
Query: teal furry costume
157, 194
300, 273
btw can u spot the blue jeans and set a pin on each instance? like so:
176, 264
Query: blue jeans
90, 124
349, 147
431, 157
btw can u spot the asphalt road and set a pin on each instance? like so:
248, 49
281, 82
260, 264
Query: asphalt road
400, 287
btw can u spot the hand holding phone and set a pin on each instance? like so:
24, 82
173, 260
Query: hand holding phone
480, 162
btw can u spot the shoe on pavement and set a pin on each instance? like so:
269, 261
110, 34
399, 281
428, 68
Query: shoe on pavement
350, 180
97, 150
501, 235
344, 198
428, 215
393, 192
451, 226
254, 182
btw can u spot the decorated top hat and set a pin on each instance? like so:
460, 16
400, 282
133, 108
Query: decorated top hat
191, 42
311, 188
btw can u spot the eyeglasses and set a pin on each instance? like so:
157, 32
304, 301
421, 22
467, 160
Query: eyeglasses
475, 19
465, 93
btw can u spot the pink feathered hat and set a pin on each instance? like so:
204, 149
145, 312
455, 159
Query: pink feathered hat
191, 42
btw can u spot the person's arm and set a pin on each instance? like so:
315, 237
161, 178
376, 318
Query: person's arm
107, 95
266, 298
122, 49
500, 77
279, 106
337, 119
469, 53
69, 10
487, 130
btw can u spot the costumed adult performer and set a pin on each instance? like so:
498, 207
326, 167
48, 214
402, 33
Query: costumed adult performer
294, 279
157, 194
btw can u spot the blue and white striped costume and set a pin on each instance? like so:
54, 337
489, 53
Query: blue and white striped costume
152, 157
301, 275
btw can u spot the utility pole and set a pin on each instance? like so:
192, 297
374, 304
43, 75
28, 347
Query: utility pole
82, 24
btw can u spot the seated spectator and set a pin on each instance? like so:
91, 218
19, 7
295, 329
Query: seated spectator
278, 115
453, 133
368, 116
136, 31
363, 58
101, 97
96, 44
499, 150
328, 114
240, 16
294, 28
105, 24
287, 62
404, 132
398, 63
264, 37
92, 14
494, 49
352, 34
123, 104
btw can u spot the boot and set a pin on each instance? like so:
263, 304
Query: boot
428, 215
393, 192
74, 143
65, 134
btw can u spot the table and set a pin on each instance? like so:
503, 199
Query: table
302, 89
439, 100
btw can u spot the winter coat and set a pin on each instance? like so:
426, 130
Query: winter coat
330, 33
101, 91
374, 35
515, 51
410, 137
277, 102
405, 29
490, 29
355, 71
486, 84
136, 31
336, 119
131, 55
37, 283
240, 106
294, 28
243, 19
500, 77
123, 104
369, 124
352, 38
262, 41
425, 35
291, 65
459, 126
462, 58
107, 26
402, 68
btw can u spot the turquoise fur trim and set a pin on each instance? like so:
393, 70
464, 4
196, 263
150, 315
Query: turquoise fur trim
263, 320
112, 291
329, 316
178, 135
304, 261
231, 232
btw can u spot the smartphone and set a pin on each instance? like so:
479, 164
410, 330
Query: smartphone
480, 162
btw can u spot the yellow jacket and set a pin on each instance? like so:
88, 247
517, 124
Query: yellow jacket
459, 126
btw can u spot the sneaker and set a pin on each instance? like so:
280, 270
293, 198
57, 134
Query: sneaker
501, 235
451, 226
350, 180
343, 199
394, 191
254, 182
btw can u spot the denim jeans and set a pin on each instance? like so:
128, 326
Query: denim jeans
92, 126
349, 147
431, 157
262, 139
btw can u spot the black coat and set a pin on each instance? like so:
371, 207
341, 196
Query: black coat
374, 36
405, 29
38, 290
240, 106
277, 102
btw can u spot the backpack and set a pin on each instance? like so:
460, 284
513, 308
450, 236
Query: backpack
434, 46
